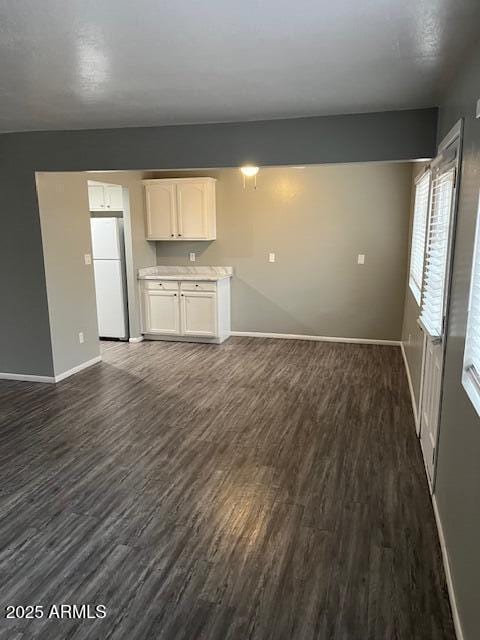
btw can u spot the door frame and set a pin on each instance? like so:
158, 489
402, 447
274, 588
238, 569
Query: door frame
454, 136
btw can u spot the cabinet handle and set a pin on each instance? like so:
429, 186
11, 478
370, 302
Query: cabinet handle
173, 235
181, 295
179, 235
175, 295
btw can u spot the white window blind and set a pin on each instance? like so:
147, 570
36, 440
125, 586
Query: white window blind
436, 254
471, 362
417, 254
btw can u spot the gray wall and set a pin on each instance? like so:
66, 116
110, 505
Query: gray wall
458, 473
412, 335
65, 224
316, 220
25, 345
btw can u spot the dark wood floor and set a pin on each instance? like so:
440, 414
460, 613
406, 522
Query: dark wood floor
260, 489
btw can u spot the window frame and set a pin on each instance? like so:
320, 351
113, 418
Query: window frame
471, 372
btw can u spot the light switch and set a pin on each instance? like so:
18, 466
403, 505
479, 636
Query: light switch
271, 257
192, 256
88, 258
81, 337
361, 258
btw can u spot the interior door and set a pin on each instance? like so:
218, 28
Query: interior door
430, 407
161, 312
192, 210
435, 292
199, 313
161, 211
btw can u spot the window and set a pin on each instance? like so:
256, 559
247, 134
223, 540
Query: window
436, 252
471, 362
417, 254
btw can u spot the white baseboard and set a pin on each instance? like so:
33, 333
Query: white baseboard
50, 379
165, 338
138, 339
77, 369
26, 378
448, 573
410, 386
293, 336
441, 537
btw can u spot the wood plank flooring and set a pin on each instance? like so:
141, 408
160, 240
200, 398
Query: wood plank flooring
260, 489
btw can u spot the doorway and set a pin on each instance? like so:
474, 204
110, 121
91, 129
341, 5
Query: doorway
436, 290
106, 204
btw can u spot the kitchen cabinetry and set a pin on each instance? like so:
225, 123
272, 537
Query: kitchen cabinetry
113, 197
180, 209
191, 311
161, 210
105, 197
161, 312
199, 313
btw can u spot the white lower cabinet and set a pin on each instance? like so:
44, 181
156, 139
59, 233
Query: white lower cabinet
199, 313
161, 312
194, 311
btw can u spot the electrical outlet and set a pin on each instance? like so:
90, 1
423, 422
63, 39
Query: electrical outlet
81, 337
271, 257
88, 258
192, 256
361, 258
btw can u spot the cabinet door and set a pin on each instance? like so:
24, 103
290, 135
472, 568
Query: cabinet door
192, 210
113, 197
161, 312
199, 313
96, 197
161, 211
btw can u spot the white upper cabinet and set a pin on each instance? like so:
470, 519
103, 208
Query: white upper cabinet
96, 197
161, 208
105, 197
180, 209
192, 210
114, 197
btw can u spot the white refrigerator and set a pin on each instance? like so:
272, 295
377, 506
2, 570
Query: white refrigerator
110, 284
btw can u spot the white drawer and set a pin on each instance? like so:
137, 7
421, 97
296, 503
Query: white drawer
163, 285
198, 286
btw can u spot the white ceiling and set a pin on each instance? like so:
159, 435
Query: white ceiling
68, 64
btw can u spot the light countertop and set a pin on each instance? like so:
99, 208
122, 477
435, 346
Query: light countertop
209, 274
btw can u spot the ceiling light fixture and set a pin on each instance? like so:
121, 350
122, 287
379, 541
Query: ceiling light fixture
249, 171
